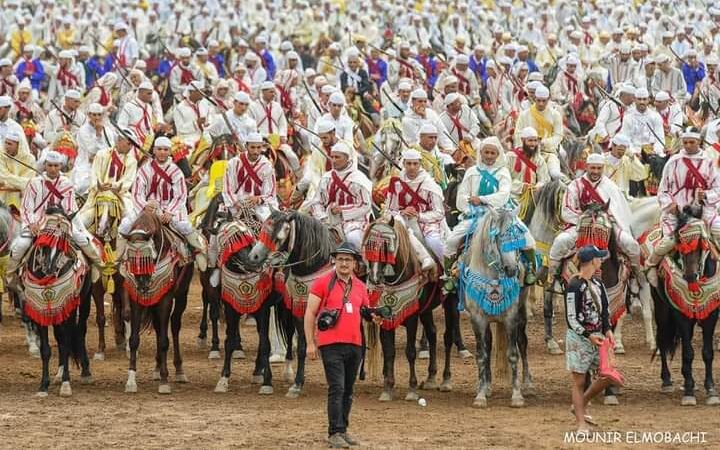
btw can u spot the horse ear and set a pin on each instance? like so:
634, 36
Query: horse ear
391, 222
606, 206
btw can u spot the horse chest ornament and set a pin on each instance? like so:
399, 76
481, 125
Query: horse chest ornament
51, 300
493, 295
297, 290
403, 300
160, 282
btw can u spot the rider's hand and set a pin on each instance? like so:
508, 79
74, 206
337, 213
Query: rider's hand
165, 217
409, 212
596, 339
673, 208
34, 228
475, 200
335, 210
105, 186
312, 350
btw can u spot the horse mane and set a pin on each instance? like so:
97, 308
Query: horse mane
149, 223
574, 148
546, 201
313, 244
405, 257
5, 221
656, 164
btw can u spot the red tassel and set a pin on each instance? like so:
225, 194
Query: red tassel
45, 319
266, 240
239, 243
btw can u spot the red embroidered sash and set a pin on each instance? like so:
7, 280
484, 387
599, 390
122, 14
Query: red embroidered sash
589, 194
416, 201
248, 178
116, 166
458, 126
522, 158
694, 178
338, 186
66, 78
159, 175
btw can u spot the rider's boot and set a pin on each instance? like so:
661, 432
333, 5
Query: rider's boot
448, 263
96, 262
530, 275
120, 246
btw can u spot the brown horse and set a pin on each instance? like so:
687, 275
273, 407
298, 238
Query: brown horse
157, 279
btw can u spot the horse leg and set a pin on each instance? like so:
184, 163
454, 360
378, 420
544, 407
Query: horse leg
117, 319
451, 316
80, 333
708, 329
98, 296
61, 369
480, 328
232, 318
431, 333
387, 340
177, 304
686, 327
301, 353
45, 353
134, 343
202, 337
512, 326
262, 361
214, 319
411, 327
550, 343
522, 341
64, 350
163, 311
647, 315
617, 334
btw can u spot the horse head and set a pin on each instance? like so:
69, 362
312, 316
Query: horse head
52, 245
108, 212
389, 255
274, 236
595, 226
499, 239
693, 243
144, 249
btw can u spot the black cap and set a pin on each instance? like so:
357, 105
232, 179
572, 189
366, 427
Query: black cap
590, 252
346, 248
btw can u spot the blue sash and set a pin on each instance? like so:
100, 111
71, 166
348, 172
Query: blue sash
488, 183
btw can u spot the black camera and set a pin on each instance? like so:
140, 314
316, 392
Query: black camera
383, 311
327, 319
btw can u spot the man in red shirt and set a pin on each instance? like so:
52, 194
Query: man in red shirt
342, 295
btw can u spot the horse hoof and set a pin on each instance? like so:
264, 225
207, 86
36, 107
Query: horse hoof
412, 396
164, 389
688, 400
266, 390
256, 379
288, 373
424, 354
181, 378
59, 375
293, 392
528, 387
619, 349
222, 385
215, 354
131, 387
156, 375
99, 356
41, 394
465, 354
668, 389
88, 379
713, 400
611, 400
429, 385
385, 397
553, 348
517, 402
446, 386
653, 347
34, 350
202, 343
65, 389
480, 402
238, 354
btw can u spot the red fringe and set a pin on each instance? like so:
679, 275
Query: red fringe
44, 319
264, 287
44, 281
48, 240
266, 239
380, 256
240, 243
137, 268
583, 241
147, 301
399, 316
688, 247
181, 153
617, 315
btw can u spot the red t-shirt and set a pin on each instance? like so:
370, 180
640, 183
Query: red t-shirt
347, 328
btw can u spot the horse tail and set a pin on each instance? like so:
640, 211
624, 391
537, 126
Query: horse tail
499, 362
373, 352
284, 322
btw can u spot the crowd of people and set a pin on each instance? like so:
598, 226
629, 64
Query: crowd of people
132, 97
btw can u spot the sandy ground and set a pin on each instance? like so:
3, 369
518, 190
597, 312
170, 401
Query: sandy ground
101, 415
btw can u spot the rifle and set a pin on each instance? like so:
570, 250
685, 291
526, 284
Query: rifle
223, 113
309, 93
386, 156
402, 139
64, 114
128, 137
295, 124
112, 55
384, 91
24, 164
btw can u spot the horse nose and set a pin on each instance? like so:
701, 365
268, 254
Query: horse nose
691, 277
511, 271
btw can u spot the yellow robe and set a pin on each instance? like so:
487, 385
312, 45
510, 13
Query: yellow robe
14, 177
18, 40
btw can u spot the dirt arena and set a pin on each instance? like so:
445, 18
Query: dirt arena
102, 415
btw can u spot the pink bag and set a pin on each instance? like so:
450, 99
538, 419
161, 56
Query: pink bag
607, 363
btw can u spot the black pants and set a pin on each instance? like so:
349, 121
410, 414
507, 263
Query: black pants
341, 363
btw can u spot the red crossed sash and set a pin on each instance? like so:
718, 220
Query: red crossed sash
142, 125
24, 112
406, 191
53, 193
328, 164
248, 177
285, 99
458, 126
522, 158
406, 69
463, 82
29, 67
336, 185
665, 116
268, 116
159, 175
242, 86
572, 83
186, 75
66, 78
104, 97
196, 109
116, 165
694, 178
589, 194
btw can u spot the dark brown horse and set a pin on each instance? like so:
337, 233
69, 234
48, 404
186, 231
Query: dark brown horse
155, 291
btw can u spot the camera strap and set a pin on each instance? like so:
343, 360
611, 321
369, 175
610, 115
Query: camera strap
346, 294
